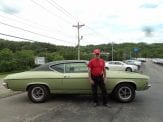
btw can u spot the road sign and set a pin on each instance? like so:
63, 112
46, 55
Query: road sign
39, 60
136, 49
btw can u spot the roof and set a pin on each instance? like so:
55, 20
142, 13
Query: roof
45, 67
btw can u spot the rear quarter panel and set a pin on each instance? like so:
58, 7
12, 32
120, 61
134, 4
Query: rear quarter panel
116, 77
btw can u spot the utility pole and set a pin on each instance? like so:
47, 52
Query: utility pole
112, 51
130, 54
78, 26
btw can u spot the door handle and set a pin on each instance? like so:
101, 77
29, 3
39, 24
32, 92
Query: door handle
66, 76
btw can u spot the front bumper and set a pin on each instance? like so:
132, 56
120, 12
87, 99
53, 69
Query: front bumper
5, 85
148, 86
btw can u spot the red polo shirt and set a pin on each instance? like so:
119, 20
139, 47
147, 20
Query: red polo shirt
97, 66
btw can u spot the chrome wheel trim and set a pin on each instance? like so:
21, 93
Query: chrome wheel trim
37, 93
124, 93
128, 69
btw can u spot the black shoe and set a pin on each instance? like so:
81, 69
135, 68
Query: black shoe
107, 105
96, 104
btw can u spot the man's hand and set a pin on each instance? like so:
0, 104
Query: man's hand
105, 80
91, 81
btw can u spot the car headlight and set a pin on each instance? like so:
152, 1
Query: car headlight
135, 67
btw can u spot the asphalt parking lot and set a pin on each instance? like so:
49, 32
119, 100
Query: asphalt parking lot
147, 107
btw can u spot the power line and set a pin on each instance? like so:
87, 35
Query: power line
22, 22
48, 11
63, 10
32, 22
35, 23
60, 8
16, 37
34, 32
93, 30
30, 25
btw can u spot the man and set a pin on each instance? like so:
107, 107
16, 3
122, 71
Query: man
97, 77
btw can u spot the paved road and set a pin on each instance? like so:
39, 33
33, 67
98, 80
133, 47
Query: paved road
147, 107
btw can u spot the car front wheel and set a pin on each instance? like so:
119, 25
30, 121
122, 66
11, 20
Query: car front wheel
125, 93
38, 93
128, 69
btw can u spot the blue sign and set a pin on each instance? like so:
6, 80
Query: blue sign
136, 49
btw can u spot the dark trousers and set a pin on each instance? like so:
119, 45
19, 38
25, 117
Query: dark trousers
99, 81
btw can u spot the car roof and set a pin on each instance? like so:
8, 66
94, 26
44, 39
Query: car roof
116, 61
45, 67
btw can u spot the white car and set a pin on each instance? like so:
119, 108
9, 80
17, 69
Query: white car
134, 62
141, 59
119, 65
158, 60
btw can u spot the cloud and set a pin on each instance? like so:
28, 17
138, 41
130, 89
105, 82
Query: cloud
149, 6
105, 20
10, 6
9, 10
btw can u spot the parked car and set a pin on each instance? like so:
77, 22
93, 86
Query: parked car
141, 59
134, 62
158, 60
71, 77
119, 65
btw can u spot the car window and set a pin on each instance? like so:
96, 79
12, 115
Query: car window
117, 63
58, 67
111, 62
76, 68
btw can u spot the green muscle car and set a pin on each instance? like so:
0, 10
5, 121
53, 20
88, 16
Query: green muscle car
71, 77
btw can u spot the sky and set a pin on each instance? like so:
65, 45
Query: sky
105, 21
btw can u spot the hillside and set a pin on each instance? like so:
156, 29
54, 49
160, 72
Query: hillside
20, 55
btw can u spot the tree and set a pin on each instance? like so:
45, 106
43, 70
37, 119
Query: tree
54, 57
24, 59
7, 61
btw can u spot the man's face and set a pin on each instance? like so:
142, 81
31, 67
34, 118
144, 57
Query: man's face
97, 55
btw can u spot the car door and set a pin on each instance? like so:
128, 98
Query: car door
117, 66
111, 65
76, 77
58, 74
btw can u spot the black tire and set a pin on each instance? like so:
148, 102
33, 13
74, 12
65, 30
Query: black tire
124, 93
128, 69
38, 93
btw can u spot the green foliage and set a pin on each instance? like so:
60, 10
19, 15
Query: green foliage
54, 57
7, 61
24, 59
18, 56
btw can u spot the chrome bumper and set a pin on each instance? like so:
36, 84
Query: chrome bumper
5, 85
148, 86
